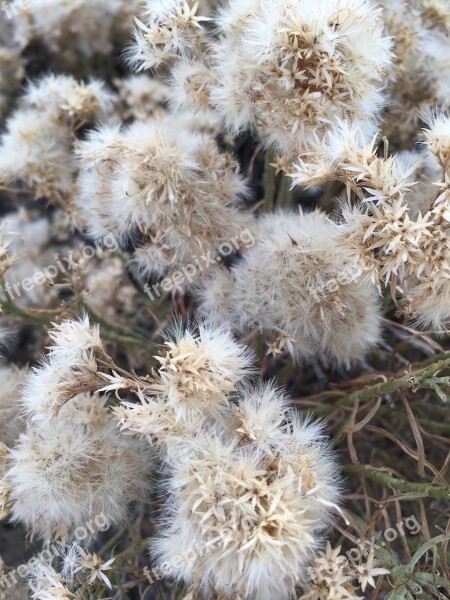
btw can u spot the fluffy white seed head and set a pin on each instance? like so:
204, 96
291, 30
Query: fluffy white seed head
68, 369
199, 371
234, 515
64, 473
285, 68
167, 31
67, 100
167, 187
301, 283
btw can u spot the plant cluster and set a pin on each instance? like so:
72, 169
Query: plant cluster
224, 299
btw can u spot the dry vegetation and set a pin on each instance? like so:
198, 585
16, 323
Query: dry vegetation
225, 300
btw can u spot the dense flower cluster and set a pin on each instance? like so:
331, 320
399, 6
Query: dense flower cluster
274, 179
287, 67
300, 282
69, 27
36, 149
272, 475
164, 186
411, 251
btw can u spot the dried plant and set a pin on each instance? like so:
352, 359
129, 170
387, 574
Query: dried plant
224, 299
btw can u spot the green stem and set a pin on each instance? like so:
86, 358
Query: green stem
110, 331
422, 376
8, 306
122, 331
399, 484
113, 541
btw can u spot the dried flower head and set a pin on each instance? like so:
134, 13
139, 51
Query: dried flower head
202, 367
69, 369
167, 187
286, 68
237, 515
71, 102
64, 473
198, 373
299, 281
331, 576
169, 29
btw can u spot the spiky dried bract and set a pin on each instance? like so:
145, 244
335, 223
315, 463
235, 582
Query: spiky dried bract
286, 67
202, 367
236, 515
46, 583
300, 282
168, 30
166, 186
11, 422
64, 473
421, 74
69, 369
198, 373
72, 27
332, 576
36, 148
394, 246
